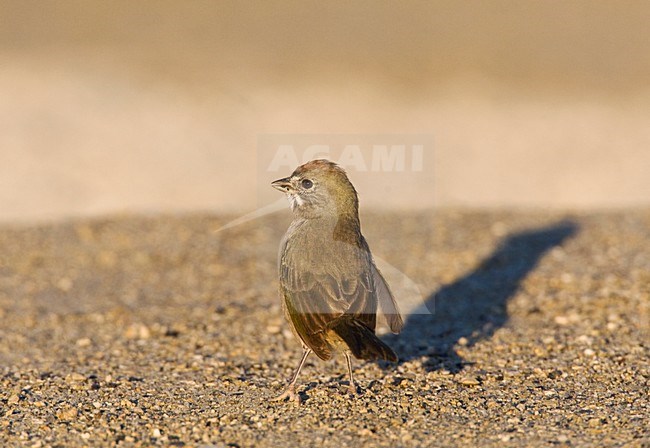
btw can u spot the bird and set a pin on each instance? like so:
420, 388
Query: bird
330, 287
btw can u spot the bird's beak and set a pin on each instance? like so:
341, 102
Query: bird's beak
284, 185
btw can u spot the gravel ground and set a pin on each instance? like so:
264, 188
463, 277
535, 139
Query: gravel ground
137, 331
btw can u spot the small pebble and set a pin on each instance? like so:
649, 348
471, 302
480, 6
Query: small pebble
67, 413
469, 381
83, 342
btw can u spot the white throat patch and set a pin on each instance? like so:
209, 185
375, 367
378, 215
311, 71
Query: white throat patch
295, 201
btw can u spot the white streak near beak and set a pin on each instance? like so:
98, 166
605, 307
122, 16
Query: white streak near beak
295, 200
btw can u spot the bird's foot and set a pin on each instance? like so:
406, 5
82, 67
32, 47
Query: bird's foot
290, 393
352, 389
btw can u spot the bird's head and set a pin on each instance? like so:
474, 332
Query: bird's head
319, 188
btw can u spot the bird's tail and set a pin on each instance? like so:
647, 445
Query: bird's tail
363, 342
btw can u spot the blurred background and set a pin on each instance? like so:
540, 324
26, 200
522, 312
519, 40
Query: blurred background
129, 107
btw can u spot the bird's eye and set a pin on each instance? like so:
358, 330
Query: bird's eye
307, 184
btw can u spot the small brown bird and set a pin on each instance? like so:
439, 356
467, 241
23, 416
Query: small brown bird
329, 283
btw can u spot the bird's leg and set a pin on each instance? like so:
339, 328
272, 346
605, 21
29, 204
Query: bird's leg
290, 391
352, 388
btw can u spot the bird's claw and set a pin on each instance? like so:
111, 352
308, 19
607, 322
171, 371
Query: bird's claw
290, 393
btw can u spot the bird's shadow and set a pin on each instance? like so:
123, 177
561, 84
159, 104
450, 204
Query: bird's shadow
475, 306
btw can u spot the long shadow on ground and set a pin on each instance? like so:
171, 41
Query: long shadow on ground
474, 306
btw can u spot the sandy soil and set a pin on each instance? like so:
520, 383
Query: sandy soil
139, 331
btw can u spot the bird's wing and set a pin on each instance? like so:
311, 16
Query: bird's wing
386, 300
318, 295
